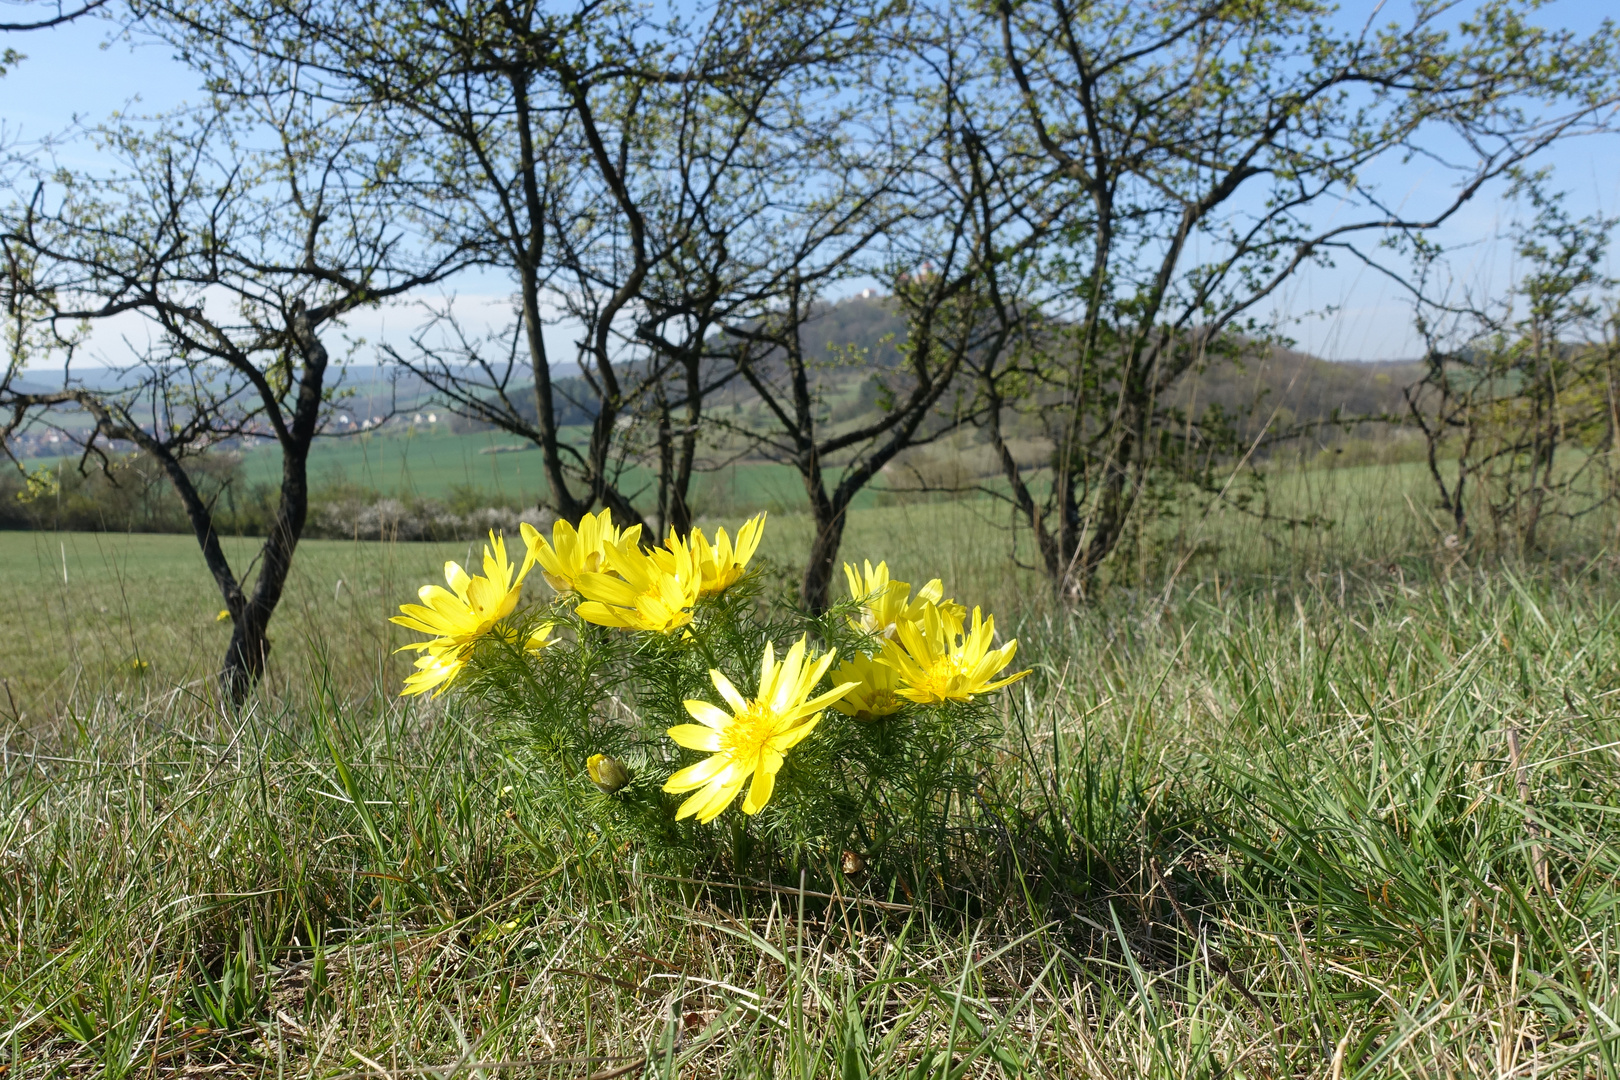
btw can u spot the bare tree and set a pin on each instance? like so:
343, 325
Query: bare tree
683, 194
1519, 402
242, 265
1215, 148
620, 170
774, 181
948, 229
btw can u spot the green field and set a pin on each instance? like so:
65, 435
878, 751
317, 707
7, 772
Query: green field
128, 598
99, 602
1311, 802
426, 462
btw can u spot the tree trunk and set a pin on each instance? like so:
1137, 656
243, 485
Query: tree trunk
1107, 527
528, 251
680, 506
562, 500
666, 461
816, 590
245, 657
1048, 544
249, 649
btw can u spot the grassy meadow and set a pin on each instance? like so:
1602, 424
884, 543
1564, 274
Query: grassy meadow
1285, 802
134, 615
433, 462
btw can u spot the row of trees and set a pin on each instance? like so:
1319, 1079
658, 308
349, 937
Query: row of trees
1072, 206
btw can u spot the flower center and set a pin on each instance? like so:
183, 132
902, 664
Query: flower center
938, 675
746, 735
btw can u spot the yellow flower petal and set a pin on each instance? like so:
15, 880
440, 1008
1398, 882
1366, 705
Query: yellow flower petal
696, 776
695, 737
708, 715
759, 792
728, 691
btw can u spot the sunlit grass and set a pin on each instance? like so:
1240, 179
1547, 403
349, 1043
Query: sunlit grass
1247, 822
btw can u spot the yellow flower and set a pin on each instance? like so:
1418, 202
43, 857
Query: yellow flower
652, 591
573, 553
442, 660
937, 661
460, 615
224, 615
722, 564
885, 604
877, 688
436, 668
540, 637
472, 605
751, 740
608, 774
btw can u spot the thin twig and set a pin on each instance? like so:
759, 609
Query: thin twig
163, 1016
455, 1068
623, 984
622, 1070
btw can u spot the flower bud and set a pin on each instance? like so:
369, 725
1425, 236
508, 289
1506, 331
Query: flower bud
608, 774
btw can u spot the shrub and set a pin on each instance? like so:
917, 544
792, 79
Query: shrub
661, 702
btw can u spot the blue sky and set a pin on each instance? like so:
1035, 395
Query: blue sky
78, 73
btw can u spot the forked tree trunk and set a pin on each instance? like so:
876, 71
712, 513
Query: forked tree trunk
244, 662
245, 657
680, 503
249, 648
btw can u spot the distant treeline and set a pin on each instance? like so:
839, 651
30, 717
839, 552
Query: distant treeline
132, 495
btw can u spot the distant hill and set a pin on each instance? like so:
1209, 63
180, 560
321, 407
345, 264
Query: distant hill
856, 340
865, 334
1289, 387
861, 337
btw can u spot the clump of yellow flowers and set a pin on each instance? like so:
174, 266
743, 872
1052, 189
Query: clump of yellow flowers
925, 655
653, 672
